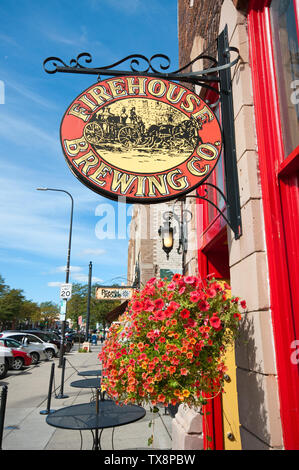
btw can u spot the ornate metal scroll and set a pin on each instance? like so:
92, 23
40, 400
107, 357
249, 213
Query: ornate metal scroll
140, 65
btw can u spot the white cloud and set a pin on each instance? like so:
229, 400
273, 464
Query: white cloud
84, 278
95, 252
73, 269
25, 134
55, 284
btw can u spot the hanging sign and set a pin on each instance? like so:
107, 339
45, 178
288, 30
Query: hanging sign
114, 293
146, 139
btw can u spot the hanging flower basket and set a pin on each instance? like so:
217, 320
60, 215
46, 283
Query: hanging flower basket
168, 347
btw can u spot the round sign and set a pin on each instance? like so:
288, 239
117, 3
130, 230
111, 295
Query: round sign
146, 139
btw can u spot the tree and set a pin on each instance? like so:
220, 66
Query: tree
48, 312
3, 287
77, 305
99, 309
30, 312
11, 307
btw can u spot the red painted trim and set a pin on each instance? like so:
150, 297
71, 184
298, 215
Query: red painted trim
290, 164
211, 234
212, 419
270, 158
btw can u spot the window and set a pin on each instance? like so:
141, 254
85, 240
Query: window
33, 339
273, 40
286, 58
11, 343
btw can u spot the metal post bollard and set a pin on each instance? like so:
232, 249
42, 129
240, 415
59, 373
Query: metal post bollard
48, 410
61, 395
2, 412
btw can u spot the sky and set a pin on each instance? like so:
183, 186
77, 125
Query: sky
34, 225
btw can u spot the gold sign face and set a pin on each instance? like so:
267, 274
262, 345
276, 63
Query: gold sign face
146, 139
114, 293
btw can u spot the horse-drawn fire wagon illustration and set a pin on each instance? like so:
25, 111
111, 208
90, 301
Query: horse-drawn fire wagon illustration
130, 131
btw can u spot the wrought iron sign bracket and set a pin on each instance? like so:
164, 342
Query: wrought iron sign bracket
205, 198
216, 78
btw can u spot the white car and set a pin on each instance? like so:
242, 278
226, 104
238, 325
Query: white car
42, 351
6, 359
35, 351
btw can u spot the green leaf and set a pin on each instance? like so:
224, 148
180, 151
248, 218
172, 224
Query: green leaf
173, 384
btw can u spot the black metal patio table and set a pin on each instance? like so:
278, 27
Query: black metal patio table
95, 416
94, 383
89, 373
87, 383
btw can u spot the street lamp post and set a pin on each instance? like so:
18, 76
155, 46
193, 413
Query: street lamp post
67, 276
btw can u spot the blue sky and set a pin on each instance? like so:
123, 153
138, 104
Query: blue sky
33, 224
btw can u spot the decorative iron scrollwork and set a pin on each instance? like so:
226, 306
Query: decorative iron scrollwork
140, 64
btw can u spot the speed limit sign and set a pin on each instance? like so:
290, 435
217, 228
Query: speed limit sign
66, 291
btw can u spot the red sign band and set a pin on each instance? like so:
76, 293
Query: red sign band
143, 138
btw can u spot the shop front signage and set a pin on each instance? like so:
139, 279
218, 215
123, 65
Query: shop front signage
114, 293
143, 138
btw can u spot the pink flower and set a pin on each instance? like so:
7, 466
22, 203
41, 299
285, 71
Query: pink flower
137, 306
191, 323
189, 279
185, 313
194, 296
174, 305
211, 292
160, 284
159, 303
148, 305
204, 305
171, 286
182, 290
160, 315
215, 322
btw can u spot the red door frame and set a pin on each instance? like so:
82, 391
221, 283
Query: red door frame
212, 259
277, 186
212, 244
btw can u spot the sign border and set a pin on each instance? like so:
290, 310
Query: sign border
127, 199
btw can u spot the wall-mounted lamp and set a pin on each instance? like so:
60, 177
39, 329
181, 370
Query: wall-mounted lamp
166, 232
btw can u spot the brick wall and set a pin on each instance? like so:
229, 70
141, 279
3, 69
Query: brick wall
202, 19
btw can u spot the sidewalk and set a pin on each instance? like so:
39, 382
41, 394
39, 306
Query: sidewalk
26, 429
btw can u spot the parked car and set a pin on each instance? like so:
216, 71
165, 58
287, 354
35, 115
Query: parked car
79, 337
21, 359
21, 354
42, 350
50, 337
6, 359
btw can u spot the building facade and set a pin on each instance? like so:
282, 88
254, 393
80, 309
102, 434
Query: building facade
260, 407
261, 264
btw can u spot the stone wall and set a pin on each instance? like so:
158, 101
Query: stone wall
255, 353
260, 424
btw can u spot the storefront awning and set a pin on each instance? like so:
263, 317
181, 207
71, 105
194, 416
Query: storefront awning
116, 312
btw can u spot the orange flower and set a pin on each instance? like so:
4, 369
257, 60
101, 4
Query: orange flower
161, 398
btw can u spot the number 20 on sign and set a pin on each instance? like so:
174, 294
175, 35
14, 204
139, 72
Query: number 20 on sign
66, 291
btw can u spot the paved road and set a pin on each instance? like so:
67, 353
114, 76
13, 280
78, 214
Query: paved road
26, 429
